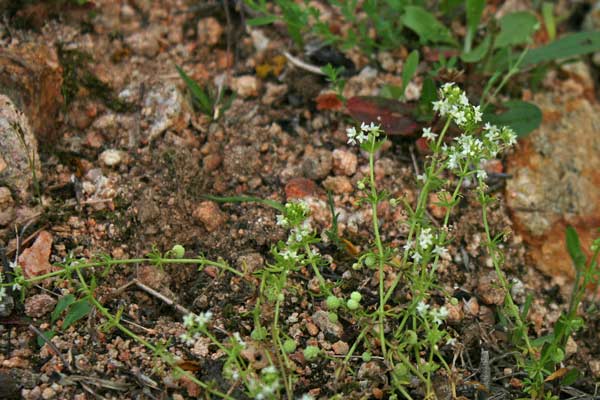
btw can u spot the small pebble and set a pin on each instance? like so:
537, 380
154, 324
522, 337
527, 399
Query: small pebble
209, 31
208, 214
340, 347
338, 184
111, 157
39, 305
344, 162
246, 86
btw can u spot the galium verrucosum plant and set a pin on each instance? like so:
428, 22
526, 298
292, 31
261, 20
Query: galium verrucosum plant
298, 251
419, 330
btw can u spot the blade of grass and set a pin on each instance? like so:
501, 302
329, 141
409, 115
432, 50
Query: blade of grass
246, 199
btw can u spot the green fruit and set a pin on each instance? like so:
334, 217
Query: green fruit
370, 260
310, 352
259, 334
367, 356
178, 251
356, 296
333, 302
333, 317
289, 346
411, 337
352, 304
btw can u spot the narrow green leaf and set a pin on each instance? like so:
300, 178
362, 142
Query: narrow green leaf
574, 248
426, 25
474, 9
61, 305
198, 94
77, 310
569, 46
516, 28
521, 116
48, 335
258, 21
428, 96
391, 92
549, 21
410, 67
245, 199
478, 52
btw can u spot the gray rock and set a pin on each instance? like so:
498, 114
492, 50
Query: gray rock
321, 319
555, 180
7, 209
164, 108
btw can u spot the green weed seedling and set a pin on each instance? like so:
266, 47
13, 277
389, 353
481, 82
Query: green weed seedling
212, 102
334, 77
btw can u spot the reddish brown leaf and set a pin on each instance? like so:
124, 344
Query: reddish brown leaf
189, 365
395, 117
328, 101
559, 373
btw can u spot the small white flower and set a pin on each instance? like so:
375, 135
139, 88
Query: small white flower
453, 161
417, 257
188, 320
459, 117
464, 100
238, 338
187, 339
421, 177
16, 287
439, 315
408, 245
203, 318
452, 342
306, 396
422, 308
269, 370
282, 221
351, 132
371, 128
425, 238
482, 175
289, 254
428, 134
362, 137
440, 251
477, 114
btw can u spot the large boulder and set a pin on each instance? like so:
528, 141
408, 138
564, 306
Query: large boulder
556, 181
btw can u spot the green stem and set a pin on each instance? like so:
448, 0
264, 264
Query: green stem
114, 322
107, 263
374, 201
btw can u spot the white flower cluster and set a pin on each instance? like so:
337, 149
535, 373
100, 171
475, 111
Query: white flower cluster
437, 315
455, 104
467, 150
366, 131
471, 150
194, 324
426, 240
268, 385
298, 234
294, 214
